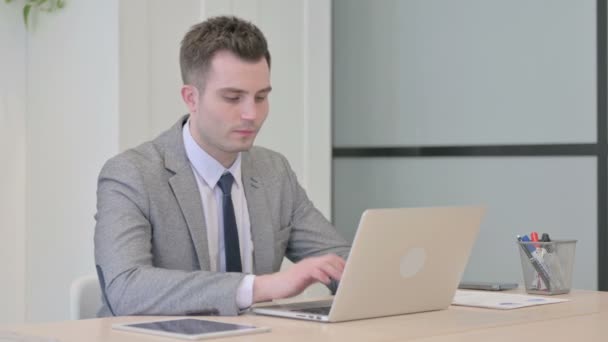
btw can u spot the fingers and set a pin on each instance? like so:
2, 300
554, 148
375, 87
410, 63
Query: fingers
321, 276
298, 277
332, 270
326, 267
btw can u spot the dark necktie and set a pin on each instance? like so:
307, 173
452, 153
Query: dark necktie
231, 234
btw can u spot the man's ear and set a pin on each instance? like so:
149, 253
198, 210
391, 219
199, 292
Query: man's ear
190, 96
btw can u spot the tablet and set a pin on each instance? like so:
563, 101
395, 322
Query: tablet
190, 328
486, 285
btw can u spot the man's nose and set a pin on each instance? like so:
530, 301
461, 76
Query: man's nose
249, 111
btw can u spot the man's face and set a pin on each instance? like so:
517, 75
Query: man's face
228, 113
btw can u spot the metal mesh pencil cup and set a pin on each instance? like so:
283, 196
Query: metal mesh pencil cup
547, 266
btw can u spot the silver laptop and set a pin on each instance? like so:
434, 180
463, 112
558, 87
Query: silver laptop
402, 261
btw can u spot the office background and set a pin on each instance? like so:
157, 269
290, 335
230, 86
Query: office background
472, 102
101, 76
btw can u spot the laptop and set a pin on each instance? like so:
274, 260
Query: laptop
403, 260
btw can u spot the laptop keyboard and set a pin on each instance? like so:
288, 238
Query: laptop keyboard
319, 310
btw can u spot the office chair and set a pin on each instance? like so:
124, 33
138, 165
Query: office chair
85, 297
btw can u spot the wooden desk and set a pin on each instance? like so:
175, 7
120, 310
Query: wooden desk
585, 316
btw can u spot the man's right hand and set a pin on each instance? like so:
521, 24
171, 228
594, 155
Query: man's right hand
298, 277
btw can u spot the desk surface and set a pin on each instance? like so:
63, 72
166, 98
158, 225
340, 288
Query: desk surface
586, 315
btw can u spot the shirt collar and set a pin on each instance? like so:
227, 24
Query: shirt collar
207, 167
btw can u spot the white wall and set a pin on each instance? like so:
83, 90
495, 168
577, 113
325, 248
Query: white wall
150, 81
72, 128
13, 167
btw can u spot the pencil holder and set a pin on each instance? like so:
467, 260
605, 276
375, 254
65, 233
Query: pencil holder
547, 266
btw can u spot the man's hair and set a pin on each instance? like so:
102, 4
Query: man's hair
224, 33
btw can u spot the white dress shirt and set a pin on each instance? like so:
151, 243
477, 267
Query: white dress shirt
207, 172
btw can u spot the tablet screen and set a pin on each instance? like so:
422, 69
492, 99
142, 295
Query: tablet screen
190, 326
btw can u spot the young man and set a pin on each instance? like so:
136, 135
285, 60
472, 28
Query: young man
197, 221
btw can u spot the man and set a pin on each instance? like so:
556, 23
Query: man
198, 221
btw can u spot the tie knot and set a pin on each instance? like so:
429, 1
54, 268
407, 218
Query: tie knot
225, 183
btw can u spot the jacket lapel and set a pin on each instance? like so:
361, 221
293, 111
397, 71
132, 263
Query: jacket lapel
261, 226
186, 191
189, 199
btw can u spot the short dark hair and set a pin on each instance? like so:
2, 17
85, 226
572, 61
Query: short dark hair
228, 33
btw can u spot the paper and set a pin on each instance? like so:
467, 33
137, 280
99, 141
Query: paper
9, 336
502, 301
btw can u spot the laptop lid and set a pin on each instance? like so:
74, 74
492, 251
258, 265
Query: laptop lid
402, 260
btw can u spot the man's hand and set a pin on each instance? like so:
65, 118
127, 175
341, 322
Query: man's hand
298, 277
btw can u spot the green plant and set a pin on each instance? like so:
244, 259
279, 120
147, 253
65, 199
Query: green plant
39, 5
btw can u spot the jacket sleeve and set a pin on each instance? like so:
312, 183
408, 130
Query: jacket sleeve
131, 283
311, 233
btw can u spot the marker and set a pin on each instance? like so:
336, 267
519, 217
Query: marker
534, 237
547, 246
525, 238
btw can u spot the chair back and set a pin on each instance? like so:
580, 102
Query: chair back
85, 297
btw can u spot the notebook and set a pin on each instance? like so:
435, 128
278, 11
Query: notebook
402, 260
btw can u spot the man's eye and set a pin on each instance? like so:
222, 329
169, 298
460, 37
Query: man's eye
232, 98
260, 98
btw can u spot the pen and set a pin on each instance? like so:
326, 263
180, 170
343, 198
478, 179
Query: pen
535, 263
545, 238
537, 254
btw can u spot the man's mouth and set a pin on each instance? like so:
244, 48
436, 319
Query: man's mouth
245, 131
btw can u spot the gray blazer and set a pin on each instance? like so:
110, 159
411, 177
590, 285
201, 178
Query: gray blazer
151, 241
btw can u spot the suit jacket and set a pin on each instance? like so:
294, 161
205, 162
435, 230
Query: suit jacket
151, 241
